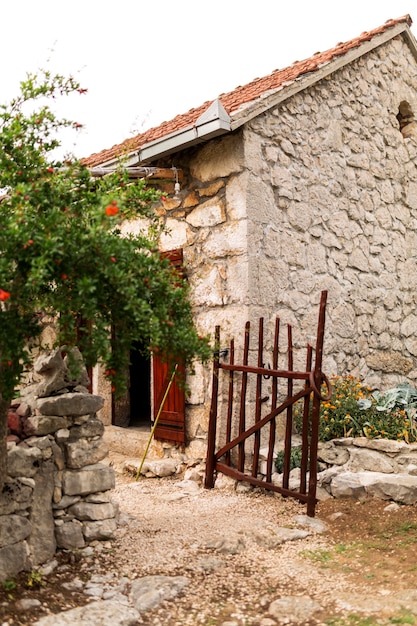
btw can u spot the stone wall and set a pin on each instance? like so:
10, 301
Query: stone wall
360, 467
56, 494
335, 207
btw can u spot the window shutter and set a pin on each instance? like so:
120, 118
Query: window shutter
171, 422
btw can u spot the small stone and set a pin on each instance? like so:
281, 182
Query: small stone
26, 604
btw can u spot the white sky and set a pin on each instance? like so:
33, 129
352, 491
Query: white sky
144, 61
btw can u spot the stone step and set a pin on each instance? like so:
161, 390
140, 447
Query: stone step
132, 442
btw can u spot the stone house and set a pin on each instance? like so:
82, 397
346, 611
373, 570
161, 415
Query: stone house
300, 181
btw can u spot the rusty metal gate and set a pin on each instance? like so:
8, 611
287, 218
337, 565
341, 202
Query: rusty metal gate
238, 455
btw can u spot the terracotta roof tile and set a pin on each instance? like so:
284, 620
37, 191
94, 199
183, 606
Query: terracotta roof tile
242, 94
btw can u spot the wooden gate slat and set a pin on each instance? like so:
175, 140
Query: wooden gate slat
258, 400
288, 426
274, 398
230, 399
242, 412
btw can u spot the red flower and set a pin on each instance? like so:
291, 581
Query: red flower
113, 259
4, 295
64, 276
50, 170
77, 125
112, 209
82, 90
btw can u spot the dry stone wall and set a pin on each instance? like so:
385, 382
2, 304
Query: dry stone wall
57, 493
360, 468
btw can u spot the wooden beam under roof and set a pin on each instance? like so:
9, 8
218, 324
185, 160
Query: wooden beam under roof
157, 173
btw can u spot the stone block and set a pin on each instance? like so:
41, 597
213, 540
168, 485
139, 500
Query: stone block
328, 453
41, 542
92, 428
89, 479
13, 528
15, 496
70, 404
13, 559
44, 425
348, 485
83, 452
69, 536
23, 461
88, 511
100, 530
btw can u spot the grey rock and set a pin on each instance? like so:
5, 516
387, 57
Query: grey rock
226, 545
348, 485
42, 544
314, 524
298, 608
48, 568
98, 613
148, 592
44, 424
362, 459
13, 559
13, 528
70, 404
73, 585
96, 591
89, 479
69, 536
65, 502
26, 604
164, 467
331, 454
98, 498
100, 530
83, 452
23, 461
92, 428
15, 496
87, 511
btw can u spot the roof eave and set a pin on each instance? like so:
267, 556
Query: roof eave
185, 138
247, 112
213, 122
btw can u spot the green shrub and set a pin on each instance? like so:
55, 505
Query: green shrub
295, 459
355, 411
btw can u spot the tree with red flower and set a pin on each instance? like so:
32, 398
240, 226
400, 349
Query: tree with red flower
135, 296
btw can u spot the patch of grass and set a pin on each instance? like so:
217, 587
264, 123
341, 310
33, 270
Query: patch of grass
404, 618
318, 556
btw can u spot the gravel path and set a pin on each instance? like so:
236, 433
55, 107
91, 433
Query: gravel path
229, 545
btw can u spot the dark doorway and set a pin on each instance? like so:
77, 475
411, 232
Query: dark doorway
133, 409
140, 387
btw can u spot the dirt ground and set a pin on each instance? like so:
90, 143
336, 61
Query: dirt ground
365, 548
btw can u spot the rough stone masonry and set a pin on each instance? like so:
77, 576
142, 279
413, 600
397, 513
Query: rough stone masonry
57, 493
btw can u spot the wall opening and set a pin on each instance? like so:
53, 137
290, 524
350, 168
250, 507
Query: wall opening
133, 409
406, 120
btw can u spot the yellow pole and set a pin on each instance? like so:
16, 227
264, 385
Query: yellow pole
156, 419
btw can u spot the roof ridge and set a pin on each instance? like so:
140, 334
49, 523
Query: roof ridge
242, 94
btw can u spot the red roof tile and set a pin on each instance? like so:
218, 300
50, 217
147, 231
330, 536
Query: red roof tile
242, 94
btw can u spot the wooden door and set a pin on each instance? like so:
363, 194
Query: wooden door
171, 422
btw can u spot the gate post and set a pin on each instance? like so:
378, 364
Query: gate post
315, 415
211, 437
